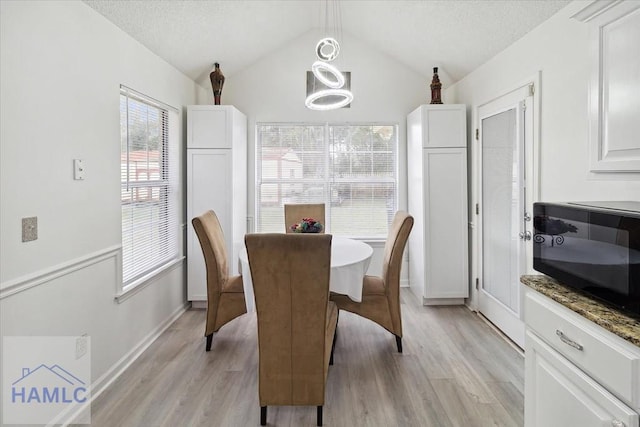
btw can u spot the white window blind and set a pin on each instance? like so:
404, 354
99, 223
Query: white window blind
352, 169
150, 226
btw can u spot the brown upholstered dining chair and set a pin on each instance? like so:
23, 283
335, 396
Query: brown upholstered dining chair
296, 320
381, 295
294, 213
225, 294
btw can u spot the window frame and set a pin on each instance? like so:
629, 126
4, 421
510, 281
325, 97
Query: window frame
329, 179
168, 187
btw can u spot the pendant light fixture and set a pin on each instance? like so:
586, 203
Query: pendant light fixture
327, 50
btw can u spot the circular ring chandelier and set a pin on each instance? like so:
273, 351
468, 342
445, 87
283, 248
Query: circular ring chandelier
327, 49
322, 69
311, 103
331, 94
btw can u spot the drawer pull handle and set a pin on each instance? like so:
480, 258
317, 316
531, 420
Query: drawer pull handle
568, 341
617, 423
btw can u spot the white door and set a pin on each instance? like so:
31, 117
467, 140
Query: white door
505, 138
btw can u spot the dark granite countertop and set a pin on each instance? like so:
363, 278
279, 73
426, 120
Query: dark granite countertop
619, 323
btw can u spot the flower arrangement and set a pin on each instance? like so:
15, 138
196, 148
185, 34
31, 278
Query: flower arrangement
307, 225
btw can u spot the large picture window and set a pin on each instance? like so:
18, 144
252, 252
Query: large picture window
352, 169
150, 226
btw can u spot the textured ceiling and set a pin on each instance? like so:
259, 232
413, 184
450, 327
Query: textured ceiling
457, 35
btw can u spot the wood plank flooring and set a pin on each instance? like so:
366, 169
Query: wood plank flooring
455, 371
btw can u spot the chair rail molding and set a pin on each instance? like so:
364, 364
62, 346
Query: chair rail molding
14, 286
614, 104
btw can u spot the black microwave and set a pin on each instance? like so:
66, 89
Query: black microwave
591, 246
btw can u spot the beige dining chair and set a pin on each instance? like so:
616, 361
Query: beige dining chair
225, 294
293, 214
381, 295
296, 320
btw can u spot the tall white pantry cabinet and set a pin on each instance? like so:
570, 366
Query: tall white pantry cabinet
216, 180
437, 185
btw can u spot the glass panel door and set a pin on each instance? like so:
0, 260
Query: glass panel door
503, 241
502, 212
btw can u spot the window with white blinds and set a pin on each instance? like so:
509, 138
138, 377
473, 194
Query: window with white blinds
150, 226
352, 169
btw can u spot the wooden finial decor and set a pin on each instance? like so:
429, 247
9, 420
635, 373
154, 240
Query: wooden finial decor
435, 88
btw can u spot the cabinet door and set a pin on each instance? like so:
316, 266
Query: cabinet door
558, 394
209, 186
208, 126
445, 222
614, 37
444, 126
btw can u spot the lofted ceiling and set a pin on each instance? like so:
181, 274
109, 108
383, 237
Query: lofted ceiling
458, 36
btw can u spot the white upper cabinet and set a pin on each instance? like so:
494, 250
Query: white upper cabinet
614, 93
443, 126
210, 126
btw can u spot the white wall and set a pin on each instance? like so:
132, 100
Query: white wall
61, 67
558, 49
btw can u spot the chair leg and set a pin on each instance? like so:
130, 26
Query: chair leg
209, 340
320, 415
263, 415
399, 343
333, 346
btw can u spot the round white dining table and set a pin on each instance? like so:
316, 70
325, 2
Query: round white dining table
349, 263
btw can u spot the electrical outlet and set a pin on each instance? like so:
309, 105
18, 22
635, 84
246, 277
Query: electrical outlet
81, 345
29, 229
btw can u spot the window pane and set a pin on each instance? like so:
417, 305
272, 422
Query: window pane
145, 235
292, 152
364, 209
149, 217
349, 168
144, 133
273, 197
363, 151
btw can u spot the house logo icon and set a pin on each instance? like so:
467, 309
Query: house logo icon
48, 385
46, 380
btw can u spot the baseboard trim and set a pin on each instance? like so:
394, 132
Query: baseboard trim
199, 305
20, 284
101, 384
442, 301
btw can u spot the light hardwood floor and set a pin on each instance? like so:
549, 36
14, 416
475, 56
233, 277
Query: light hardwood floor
455, 371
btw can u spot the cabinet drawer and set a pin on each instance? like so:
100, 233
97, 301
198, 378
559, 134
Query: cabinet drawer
612, 363
557, 394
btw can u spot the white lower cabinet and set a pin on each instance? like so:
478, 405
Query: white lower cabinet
559, 394
567, 381
209, 175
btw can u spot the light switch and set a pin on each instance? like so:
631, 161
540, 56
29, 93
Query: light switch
78, 169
